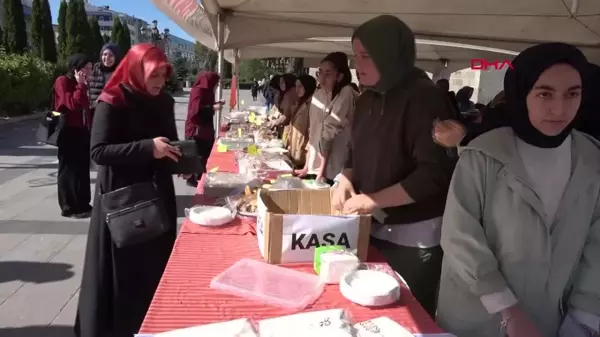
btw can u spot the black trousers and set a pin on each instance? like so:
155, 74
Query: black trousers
74, 193
419, 267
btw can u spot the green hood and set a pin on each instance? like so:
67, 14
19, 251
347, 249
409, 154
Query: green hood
391, 45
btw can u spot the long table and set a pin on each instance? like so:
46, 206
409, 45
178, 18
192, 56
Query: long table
184, 298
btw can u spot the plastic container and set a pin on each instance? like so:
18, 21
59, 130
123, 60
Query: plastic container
270, 284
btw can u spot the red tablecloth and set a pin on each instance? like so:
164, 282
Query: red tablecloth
184, 298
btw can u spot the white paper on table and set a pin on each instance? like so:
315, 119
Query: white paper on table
278, 165
306, 324
236, 328
381, 327
303, 233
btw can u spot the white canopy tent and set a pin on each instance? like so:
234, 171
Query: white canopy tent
450, 32
504, 25
429, 53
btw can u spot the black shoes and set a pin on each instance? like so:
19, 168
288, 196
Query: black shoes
83, 214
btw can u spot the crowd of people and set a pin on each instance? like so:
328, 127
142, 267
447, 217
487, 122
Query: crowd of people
491, 214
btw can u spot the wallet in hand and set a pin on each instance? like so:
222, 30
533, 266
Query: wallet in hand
190, 161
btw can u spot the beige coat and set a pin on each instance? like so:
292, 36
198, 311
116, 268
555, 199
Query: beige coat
495, 237
330, 127
296, 134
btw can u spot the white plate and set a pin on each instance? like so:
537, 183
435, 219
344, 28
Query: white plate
275, 150
209, 215
370, 288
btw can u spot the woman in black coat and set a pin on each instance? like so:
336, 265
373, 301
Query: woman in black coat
110, 56
130, 142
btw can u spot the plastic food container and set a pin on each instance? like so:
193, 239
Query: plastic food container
236, 143
271, 284
370, 288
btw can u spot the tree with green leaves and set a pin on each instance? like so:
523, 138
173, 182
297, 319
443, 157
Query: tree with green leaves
105, 38
121, 35
48, 38
253, 69
1, 39
15, 29
36, 28
205, 57
62, 32
96, 41
116, 29
181, 67
78, 29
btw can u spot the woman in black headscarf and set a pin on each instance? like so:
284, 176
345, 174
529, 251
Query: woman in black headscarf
110, 56
295, 136
520, 229
590, 121
463, 97
71, 100
285, 103
271, 92
452, 133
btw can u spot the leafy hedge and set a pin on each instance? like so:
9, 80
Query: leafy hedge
243, 85
25, 83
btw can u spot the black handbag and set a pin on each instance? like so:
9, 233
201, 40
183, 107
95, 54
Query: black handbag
190, 162
134, 214
48, 130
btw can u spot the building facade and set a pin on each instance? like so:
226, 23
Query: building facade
178, 47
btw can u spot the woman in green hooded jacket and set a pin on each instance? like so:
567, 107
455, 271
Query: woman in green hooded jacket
394, 169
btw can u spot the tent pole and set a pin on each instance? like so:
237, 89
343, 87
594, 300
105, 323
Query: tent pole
236, 66
220, 66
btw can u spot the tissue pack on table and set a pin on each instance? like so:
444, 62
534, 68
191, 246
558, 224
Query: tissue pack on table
292, 223
332, 262
325, 323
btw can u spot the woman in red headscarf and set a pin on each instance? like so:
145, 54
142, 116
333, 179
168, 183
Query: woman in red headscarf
199, 122
126, 250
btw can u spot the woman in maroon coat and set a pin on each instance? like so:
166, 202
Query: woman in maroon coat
71, 99
199, 122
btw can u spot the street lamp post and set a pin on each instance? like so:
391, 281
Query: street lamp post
152, 34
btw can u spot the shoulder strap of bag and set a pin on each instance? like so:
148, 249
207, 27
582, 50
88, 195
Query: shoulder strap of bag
52, 101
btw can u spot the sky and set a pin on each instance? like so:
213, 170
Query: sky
143, 9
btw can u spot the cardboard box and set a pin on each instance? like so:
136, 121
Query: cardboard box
292, 223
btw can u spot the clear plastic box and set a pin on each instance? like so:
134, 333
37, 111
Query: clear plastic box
271, 284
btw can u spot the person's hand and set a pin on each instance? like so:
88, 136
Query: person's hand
218, 106
342, 192
448, 133
81, 76
519, 324
300, 173
359, 204
162, 148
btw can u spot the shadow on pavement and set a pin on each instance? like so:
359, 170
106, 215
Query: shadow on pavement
29, 151
26, 166
34, 272
38, 331
183, 202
